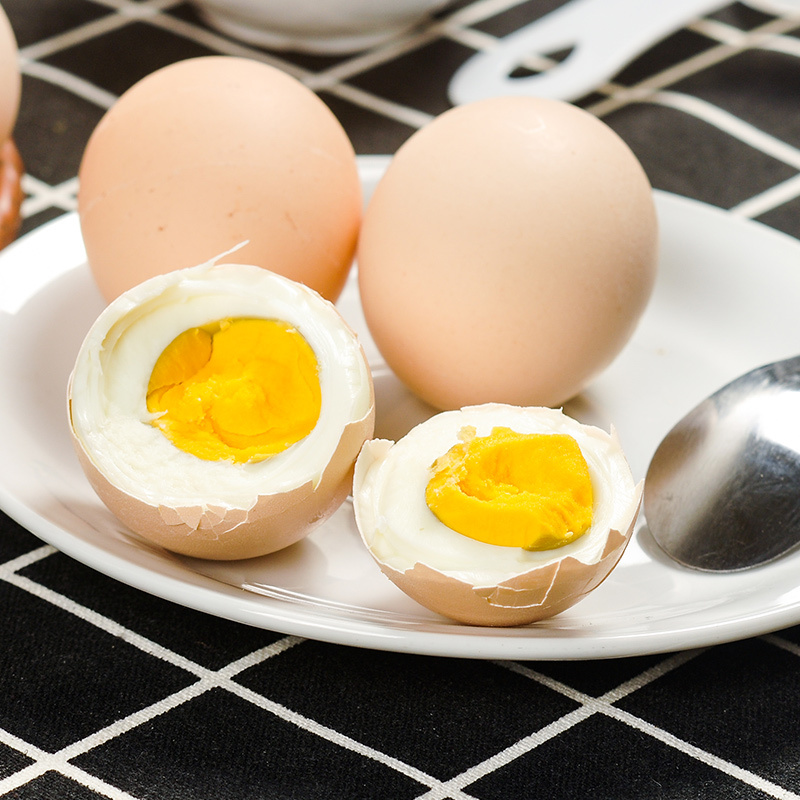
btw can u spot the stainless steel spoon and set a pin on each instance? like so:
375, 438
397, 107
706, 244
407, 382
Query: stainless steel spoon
722, 492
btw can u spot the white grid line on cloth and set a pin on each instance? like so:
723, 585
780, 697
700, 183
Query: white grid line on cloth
769, 199
223, 678
787, 45
694, 64
721, 31
208, 679
59, 761
644, 678
387, 108
732, 770
72, 37
455, 26
777, 640
46, 763
478, 11
329, 79
471, 37
588, 708
605, 705
157, 19
25, 560
732, 41
102, 622
69, 81
775, 7
139, 10
511, 753
324, 79
728, 34
126, 12
41, 196
729, 123
368, 60
49, 762
223, 46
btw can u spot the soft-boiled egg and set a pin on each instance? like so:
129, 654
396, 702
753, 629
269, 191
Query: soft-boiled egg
218, 410
496, 514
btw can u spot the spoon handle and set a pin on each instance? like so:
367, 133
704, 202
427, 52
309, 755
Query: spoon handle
604, 36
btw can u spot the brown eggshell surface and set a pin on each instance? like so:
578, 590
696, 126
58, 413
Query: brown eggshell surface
507, 253
210, 152
10, 78
228, 533
527, 598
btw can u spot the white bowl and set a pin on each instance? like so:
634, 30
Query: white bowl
315, 26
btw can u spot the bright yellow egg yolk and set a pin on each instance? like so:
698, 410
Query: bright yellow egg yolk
524, 490
240, 389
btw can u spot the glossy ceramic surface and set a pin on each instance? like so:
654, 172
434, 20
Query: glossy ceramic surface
725, 302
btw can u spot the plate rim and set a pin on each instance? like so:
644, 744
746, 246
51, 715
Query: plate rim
203, 593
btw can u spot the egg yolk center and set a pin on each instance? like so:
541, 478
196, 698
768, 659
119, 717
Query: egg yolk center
239, 389
524, 490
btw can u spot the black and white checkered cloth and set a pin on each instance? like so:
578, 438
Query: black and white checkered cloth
108, 692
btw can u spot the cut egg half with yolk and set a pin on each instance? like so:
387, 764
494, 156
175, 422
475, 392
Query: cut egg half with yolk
496, 514
218, 410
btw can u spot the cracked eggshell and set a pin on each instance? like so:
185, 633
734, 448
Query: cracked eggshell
211, 509
473, 582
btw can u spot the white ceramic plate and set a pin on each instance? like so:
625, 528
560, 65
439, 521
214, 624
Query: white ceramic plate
726, 301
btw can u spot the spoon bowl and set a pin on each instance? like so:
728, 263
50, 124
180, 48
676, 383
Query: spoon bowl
722, 492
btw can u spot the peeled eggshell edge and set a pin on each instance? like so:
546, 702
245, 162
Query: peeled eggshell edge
527, 597
273, 521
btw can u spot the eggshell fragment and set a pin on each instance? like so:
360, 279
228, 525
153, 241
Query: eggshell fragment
210, 152
211, 509
476, 583
273, 522
507, 253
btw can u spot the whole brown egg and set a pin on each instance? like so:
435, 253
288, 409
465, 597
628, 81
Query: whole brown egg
208, 153
507, 254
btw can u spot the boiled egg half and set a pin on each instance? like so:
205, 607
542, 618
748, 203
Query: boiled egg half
218, 410
496, 514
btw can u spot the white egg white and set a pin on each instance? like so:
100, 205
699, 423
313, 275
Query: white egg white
401, 531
